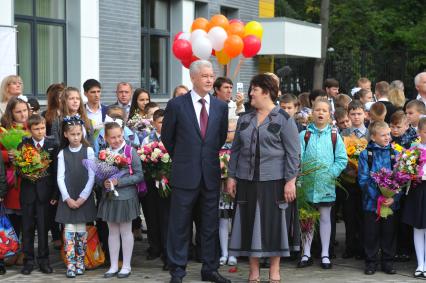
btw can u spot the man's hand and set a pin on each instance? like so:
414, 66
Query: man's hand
231, 187
290, 190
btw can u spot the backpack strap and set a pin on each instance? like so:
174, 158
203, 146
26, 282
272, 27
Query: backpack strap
333, 139
128, 154
370, 158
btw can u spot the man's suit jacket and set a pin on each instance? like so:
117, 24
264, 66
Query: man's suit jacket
192, 157
45, 188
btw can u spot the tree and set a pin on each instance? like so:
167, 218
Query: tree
319, 63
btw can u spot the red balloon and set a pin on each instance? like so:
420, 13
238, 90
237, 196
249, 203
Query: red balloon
213, 52
182, 49
187, 62
252, 46
236, 21
177, 36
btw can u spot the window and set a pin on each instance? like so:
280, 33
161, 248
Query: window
201, 10
41, 43
155, 47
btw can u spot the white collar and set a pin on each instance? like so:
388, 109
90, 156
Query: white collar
419, 97
383, 99
118, 149
90, 110
75, 149
196, 97
38, 142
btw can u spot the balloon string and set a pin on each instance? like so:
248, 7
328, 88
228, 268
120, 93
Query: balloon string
237, 69
228, 69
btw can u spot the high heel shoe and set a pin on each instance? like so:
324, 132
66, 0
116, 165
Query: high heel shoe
257, 280
274, 280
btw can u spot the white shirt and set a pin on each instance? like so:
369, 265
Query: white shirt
61, 174
197, 104
419, 97
38, 142
95, 116
119, 148
147, 139
383, 99
125, 107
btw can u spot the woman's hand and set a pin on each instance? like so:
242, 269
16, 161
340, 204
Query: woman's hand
231, 187
71, 203
388, 202
290, 190
80, 201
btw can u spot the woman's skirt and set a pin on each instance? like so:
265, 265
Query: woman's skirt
259, 227
414, 210
118, 211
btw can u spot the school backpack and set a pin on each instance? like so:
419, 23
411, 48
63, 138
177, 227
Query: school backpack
141, 187
333, 138
370, 158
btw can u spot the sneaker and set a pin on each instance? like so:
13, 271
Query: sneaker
79, 271
70, 273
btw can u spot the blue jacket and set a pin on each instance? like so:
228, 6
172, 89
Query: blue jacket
129, 137
381, 159
320, 184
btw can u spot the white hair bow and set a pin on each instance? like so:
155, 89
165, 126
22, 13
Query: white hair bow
23, 98
109, 119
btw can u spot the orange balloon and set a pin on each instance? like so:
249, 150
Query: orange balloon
219, 21
233, 46
236, 28
200, 23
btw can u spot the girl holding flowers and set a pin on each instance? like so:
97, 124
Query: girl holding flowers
317, 146
77, 204
414, 211
118, 210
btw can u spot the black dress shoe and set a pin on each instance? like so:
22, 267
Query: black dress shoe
45, 268
326, 265
2, 269
389, 270
27, 269
305, 263
214, 277
152, 256
175, 279
418, 274
110, 274
369, 271
166, 267
123, 275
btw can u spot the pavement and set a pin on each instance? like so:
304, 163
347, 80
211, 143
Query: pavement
344, 270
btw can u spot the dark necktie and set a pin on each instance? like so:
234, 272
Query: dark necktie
204, 117
38, 146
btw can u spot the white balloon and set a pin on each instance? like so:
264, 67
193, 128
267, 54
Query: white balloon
185, 35
202, 47
197, 33
217, 36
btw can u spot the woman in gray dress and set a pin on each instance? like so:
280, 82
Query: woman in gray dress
119, 211
264, 164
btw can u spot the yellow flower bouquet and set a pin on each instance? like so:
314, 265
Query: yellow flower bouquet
31, 163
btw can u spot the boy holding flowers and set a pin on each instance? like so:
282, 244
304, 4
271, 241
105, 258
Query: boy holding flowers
379, 232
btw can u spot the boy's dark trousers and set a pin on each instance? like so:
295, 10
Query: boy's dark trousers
379, 235
353, 218
35, 214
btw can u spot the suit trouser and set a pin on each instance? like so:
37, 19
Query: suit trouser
35, 213
379, 235
353, 218
404, 232
180, 223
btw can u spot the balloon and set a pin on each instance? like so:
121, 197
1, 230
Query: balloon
233, 46
219, 21
236, 21
185, 35
197, 33
217, 36
182, 49
177, 36
253, 28
236, 28
222, 57
202, 47
187, 62
214, 52
252, 46
200, 23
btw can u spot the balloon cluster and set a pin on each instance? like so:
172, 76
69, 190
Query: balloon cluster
220, 37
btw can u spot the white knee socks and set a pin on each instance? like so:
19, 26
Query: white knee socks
125, 230
419, 244
224, 235
127, 246
325, 232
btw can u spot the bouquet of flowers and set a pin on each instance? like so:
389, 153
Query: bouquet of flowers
410, 163
389, 184
139, 123
31, 163
157, 164
108, 166
224, 156
10, 139
354, 146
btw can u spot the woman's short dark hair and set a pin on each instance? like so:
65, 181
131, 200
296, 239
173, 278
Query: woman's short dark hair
267, 84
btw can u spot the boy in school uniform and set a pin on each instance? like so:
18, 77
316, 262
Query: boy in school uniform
414, 110
35, 198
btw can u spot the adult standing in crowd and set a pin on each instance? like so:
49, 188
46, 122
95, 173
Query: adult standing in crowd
194, 129
331, 87
11, 86
420, 83
54, 93
223, 90
264, 164
381, 91
96, 111
124, 96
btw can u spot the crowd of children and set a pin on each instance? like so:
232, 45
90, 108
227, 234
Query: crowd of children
323, 117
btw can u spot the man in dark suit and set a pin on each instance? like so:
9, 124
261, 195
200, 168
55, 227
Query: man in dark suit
35, 198
194, 129
124, 93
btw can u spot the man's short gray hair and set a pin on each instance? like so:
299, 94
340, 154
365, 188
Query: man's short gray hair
197, 65
417, 78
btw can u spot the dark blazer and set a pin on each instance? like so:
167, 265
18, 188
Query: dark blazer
46, 188
390, 109
104, 110
194, 158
